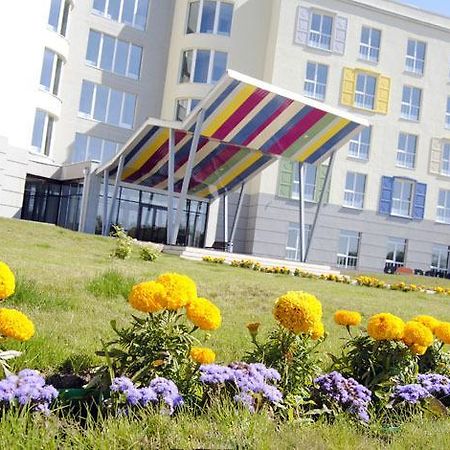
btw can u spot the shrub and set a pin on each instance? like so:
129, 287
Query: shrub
124, 243
149, 252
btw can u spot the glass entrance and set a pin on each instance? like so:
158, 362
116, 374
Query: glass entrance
152, 221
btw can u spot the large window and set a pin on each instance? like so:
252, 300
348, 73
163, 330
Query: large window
359, 146
369, 47
411, 100
320, 31
445, 165
365, 91
293, 242
402, 197
355, 186
114, 55
447, 114
91, 148
406, 150
107, 105
203, 66
213, 17
51, 72
439, 257
184, 106
130, 12
42, 132
310, 174
415, 57
348, 248
396, 252
58, 16
316, 80
443, 207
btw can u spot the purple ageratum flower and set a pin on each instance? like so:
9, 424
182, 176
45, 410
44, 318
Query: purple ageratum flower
167, 390
121, 384
148, 395
437, 385
267, 373
410, 393
215, 374
246, 400
7, 390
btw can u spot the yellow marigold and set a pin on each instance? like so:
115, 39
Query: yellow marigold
429, 321
385, 327
418, 349
204, 314
318, 331
298, 311
180, 289
347, 318
203, 355
15, 324
148, 296
416, 333
442, 332
7, 281
253, 328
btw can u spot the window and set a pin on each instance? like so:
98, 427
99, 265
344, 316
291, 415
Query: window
411, 99
51, 72
213, 17
447, 114
402, 197
203, 66
91, 148
348, 248
396, 252
443, 207
355, 186
439, 257
320, 31
445, 166
107, 105
58, 16
415, 56
184, 106
369, 48
365, 91
130, 12
359, 146
316, 80
310, 172
406, 150
42, 132
113, 55
293, 242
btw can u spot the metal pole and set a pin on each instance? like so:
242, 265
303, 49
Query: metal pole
319, 205
225, 221
171, 176
116, 189
301, 207
236, 216
187, 175
105, 200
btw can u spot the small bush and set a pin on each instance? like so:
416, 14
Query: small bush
124, 243
110, 284
149, 252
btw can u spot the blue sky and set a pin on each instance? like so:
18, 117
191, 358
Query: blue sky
439, 6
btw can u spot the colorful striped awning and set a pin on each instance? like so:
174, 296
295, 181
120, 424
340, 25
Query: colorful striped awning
247, 125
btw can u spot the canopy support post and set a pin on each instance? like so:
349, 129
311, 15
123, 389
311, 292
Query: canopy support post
114, 196
187, 175
301, 210
171, 176
105, 201
225, 221
236, 218
319, 205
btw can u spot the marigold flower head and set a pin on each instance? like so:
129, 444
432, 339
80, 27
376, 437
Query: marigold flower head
7, 281
418, 349
180, 290
298, 311
385, 327
442, 332
347, 318
416, 333
253, 328
148, 297
202, 355
318, 331
15, 324
204, 314
429, 321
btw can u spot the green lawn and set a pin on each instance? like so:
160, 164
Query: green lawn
55, 269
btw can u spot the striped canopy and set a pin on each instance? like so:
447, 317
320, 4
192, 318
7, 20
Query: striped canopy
247, 125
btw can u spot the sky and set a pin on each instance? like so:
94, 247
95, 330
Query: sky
439, 6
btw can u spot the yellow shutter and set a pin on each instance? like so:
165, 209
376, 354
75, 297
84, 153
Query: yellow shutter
435, 156
348, 86
383, 94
